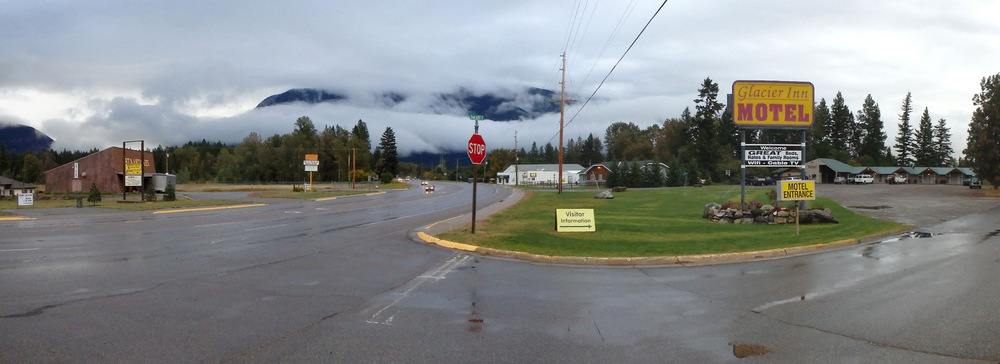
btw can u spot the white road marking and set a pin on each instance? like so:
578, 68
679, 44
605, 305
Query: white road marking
19, 250
434, 274
265, 227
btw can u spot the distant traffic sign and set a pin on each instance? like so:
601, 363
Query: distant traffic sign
477, 149
475, 117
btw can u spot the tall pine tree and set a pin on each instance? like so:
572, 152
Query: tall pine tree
925, 150
942, 141
984, 131
840, 134
390, 157
904, 139
872, 138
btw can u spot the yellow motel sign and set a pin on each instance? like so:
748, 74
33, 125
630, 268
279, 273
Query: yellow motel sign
773, 104
797, 191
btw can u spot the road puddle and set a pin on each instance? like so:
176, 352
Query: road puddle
747, 350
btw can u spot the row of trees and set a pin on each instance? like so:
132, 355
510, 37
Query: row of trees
702, 145
344, 154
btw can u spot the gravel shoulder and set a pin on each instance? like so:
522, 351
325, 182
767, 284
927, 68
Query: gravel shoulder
917, 205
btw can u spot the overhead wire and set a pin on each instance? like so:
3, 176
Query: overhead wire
598, 88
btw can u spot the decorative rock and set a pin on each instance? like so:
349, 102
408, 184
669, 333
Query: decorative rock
747, 220
710, 209
725, 220
619, 189
605, 195
781, 214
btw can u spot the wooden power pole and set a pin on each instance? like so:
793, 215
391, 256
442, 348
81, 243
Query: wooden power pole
562, 117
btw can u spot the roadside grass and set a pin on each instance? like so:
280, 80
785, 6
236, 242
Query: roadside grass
110, 201
654, 222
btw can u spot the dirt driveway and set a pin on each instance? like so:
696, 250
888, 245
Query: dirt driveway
918, 205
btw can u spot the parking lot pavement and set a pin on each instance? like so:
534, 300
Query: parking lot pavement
917, 205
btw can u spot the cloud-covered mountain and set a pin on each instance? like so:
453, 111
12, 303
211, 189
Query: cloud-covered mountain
497, 106
22, 138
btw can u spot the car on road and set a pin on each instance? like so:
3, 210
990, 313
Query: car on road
839, 180
975, 183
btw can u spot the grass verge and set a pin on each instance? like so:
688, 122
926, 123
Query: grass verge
110, 203
654, 222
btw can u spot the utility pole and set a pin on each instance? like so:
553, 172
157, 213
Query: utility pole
562, 117
515, 158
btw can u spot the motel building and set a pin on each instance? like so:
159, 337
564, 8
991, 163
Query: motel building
104, 169
824, 170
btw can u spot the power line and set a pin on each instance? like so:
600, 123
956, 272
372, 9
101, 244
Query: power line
613, 67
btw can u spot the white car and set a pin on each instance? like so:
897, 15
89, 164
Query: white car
862, 179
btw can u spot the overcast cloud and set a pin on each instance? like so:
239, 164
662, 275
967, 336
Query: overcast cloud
95, 73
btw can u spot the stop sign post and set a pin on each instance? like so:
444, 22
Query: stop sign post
477, 153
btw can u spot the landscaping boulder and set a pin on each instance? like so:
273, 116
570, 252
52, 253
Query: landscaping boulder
817, 216
605, 195
710, 209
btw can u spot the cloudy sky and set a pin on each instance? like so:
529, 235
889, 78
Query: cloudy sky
95, 73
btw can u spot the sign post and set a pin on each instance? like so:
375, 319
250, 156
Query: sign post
797, 191
771, 105
477, 153
311, 163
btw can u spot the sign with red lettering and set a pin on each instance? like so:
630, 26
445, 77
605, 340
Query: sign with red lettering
477, 149
773, 104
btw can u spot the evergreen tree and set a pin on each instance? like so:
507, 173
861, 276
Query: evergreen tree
592, 151
361, 141
95, 195
4, 160
634, 175
652, 175
925, 150
984, 131
149, 194
170, 193
904, 140
942, 141
705, 137
818, 143
840, 134
872, 137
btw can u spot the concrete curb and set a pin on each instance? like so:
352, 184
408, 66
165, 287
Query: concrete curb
671, 260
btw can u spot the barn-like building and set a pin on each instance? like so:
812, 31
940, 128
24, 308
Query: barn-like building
104, 169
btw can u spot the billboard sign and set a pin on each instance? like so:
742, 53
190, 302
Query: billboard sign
773, 104
777, 155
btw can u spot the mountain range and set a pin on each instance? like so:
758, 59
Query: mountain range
497, 106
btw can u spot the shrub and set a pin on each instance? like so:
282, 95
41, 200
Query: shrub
170, 193
95, 195
149, 194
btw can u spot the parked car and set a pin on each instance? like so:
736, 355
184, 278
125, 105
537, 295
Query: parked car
793, 178
863, 179
839, 180
975, 183
896, 179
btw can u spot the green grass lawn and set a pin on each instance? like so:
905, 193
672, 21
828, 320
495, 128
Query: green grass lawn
109, 201
654, 222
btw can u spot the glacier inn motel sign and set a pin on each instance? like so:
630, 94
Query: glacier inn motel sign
771, 105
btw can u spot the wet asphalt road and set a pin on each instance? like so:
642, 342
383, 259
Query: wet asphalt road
341, 281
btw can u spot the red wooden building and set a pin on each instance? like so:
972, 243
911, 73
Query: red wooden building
104, 168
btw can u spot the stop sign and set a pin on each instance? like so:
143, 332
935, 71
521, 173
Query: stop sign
477, 149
